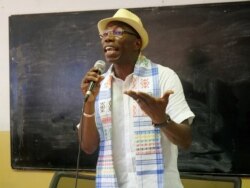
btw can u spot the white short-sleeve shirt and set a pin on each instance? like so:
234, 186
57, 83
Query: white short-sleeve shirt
122, 134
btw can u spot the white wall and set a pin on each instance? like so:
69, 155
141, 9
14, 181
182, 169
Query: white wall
11, 7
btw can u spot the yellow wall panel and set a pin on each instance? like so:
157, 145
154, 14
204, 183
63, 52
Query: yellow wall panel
10, 178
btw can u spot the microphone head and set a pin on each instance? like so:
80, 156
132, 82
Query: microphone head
100, 65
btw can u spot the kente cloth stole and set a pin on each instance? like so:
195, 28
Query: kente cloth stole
147, 139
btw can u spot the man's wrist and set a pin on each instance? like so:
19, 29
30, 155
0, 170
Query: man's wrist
163, 124
89, 115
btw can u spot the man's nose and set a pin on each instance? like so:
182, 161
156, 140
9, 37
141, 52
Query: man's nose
109, 37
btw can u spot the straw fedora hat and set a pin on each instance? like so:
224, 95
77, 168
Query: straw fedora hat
129, 18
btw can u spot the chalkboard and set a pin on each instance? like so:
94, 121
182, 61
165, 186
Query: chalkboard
207, 45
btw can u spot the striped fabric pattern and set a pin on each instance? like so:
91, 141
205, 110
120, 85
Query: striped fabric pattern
147, 139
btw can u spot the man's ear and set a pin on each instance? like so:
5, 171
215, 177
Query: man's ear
138, 44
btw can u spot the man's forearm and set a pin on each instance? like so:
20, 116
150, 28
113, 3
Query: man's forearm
89, 136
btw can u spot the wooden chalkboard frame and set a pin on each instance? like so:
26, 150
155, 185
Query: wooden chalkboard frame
207, 45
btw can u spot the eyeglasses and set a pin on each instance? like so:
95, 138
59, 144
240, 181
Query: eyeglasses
117, 33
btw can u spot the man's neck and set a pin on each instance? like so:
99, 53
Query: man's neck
122, 71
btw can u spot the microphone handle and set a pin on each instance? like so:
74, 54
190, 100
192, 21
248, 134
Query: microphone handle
88, 93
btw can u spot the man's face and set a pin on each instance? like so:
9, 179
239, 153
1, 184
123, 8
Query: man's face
120, 43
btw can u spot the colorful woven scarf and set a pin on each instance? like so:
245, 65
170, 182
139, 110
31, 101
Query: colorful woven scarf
149, 158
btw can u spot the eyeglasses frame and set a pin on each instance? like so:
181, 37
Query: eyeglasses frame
122, 33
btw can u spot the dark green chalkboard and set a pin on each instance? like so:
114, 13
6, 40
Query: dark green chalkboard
207, 45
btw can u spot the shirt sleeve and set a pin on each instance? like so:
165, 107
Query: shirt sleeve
178, 108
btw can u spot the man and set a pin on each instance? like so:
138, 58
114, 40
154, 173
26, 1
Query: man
137, 113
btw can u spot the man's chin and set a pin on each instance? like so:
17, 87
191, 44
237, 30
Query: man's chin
112, 59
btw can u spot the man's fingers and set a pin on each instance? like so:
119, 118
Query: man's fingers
145, 97
140, 97
131, 94
167, 94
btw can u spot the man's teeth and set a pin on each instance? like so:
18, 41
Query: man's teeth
109, 48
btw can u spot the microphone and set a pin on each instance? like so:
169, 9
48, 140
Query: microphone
100, 66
